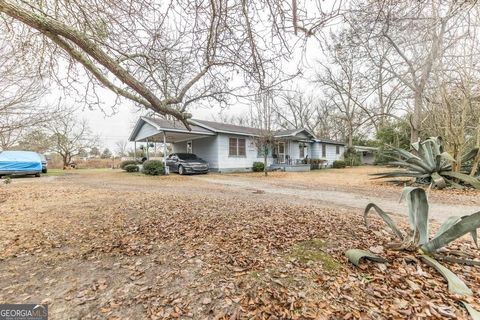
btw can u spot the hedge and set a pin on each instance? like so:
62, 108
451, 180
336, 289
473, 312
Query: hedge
153, 167
131, 168
258, 166
125, 163
338, 164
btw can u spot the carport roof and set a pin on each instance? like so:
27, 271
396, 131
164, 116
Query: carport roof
174, 130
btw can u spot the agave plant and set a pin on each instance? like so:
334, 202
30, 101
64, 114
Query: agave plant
417, 237
432, 165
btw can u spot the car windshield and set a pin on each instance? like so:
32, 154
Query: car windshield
187, 156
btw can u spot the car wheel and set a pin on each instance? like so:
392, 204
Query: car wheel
37, 175
181, 170
44, 170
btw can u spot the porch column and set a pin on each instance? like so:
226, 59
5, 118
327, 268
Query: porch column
146, 152
164, 151
135, 150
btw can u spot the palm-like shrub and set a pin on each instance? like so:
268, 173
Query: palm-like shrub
432, 165
416, 239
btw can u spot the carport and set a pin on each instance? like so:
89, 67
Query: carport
153, 130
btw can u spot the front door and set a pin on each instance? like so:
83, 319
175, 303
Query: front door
281, 152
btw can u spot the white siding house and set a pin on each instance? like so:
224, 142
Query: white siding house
229, 148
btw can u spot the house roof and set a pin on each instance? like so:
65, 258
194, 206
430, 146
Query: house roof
226, 128
174, 130
173, 125
204, 127
330, 141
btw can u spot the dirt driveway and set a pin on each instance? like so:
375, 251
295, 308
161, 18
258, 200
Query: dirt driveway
105, 244
352, 188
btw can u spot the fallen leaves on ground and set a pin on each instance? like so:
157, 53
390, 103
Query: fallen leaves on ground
117, 247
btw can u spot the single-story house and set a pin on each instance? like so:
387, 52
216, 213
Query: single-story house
229, 148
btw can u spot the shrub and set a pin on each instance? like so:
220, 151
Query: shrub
352, 158
258, 166
338, 164
131, 168
125, 163
153, 167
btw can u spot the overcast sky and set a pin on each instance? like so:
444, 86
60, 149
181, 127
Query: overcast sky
115, 125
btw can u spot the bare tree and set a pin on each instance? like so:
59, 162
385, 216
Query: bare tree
121, 148
163, 56
344, 86
69, 137
410, 41
21, 90
263, 118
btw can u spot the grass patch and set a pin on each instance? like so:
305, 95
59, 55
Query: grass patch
54, 172
313, 250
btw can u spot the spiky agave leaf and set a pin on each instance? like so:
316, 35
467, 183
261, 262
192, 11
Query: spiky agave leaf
467, 224
438, 181
399, 174
455, 284
471, 311
427, 154
417, 211
474, 182
385, 218
470, 155
447, 224
356, 255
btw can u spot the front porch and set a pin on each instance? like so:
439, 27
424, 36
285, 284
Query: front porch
300, 167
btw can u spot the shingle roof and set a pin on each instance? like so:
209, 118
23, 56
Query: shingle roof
204, 126
225, 127
285, 132
330, 141
174, 124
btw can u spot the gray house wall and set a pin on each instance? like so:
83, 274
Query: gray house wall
205, 148
227, 163
330, 152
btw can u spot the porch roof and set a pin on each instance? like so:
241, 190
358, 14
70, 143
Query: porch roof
153, 130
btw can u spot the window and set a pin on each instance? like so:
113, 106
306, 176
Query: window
324, 150
338, 150
236, 147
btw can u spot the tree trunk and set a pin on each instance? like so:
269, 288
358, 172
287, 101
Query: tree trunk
65, 161
475, 164
416, 119
476, 160
265, 155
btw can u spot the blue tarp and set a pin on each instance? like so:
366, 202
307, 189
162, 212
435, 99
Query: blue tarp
20, 161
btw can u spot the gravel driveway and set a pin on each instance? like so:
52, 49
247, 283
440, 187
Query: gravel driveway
319, 195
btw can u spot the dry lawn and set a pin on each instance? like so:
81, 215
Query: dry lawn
111, 245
